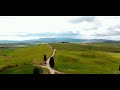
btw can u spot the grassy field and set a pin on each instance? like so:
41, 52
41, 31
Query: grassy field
78, 59
19, 60
26, 69
70, 58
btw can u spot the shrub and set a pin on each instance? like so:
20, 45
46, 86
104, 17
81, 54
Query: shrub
89, 48
36, 71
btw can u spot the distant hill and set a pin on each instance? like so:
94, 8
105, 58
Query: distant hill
48, 40
51, 40
8, 41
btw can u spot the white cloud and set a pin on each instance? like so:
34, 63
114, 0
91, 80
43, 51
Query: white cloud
18, 27
17, 38
83, 19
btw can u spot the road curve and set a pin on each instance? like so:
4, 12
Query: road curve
49, 45
52, 71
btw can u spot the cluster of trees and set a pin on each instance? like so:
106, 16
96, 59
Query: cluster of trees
51, 61
36, 70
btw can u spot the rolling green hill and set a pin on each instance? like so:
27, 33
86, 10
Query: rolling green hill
19, 60
78, 59
70, 58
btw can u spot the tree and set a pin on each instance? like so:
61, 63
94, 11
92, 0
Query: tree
51, 62
36, 71
89, 48
45, 59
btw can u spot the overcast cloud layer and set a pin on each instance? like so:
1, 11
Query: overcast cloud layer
81, 27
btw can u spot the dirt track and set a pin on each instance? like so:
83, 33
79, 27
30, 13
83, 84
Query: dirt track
52, 71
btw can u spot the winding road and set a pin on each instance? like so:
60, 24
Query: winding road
48, 66
52, 71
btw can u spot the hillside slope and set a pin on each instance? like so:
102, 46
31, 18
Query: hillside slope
78, 59
20, 57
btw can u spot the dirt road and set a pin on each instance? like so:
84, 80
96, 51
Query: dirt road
52, 71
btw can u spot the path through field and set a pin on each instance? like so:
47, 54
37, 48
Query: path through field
48, 66
52, 71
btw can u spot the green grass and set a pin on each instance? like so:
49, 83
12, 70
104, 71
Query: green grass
85, 47
77, 59
23, 56
26, 69
107, 44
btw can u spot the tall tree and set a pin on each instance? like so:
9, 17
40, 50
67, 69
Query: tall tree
51, 62
45, 59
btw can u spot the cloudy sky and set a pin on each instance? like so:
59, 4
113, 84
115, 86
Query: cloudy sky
81, 27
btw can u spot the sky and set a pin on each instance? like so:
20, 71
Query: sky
80, 27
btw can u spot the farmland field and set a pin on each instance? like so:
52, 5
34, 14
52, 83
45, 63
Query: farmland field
70, 58
22, 60
95, 58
